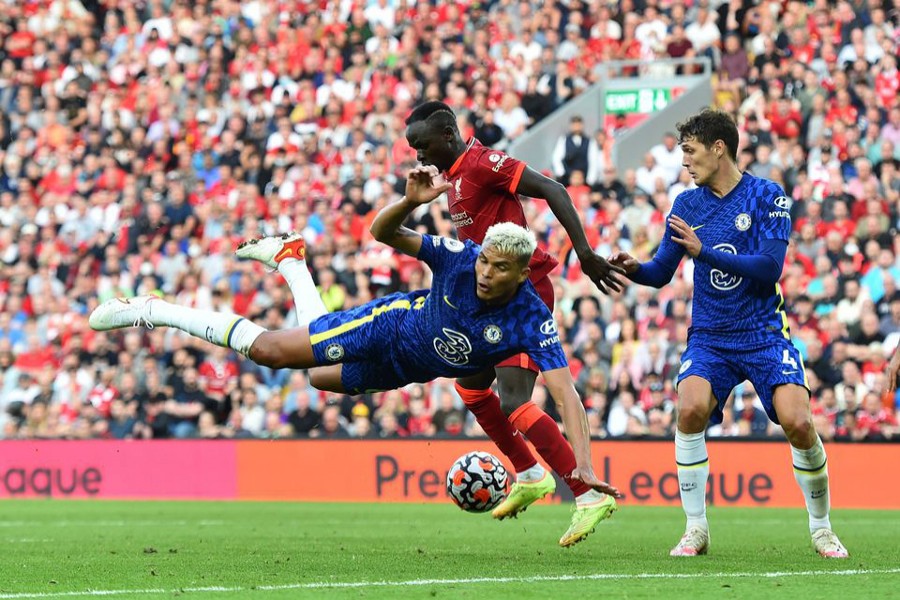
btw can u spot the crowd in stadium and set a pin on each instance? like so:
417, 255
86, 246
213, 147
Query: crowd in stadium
140, 142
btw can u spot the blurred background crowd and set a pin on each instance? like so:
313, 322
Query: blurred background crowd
140, 141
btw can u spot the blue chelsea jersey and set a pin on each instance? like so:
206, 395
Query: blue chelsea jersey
736, 310
453, 333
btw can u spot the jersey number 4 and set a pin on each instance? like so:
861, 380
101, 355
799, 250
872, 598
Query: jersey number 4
787, 359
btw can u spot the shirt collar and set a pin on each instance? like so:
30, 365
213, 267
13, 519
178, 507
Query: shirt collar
456, 165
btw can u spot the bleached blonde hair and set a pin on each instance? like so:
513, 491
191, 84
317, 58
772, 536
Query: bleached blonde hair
512, 240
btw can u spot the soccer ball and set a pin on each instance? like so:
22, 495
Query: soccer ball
477, 482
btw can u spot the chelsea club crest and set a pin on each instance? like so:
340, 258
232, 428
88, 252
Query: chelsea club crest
492, 334
742, 222
334, 352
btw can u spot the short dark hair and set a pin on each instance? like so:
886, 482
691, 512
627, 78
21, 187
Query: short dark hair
708, 126
435, 114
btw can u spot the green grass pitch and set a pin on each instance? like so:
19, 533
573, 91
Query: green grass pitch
84, 549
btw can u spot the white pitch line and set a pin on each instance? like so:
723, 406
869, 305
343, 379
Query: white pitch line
422, 582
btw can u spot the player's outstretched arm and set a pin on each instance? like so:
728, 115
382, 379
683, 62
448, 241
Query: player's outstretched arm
656, 273
627, 262
893, 369
562, 389
764, 267
604, 275
423, 185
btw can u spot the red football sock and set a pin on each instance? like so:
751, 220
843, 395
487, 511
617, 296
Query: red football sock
543, 432
485, 405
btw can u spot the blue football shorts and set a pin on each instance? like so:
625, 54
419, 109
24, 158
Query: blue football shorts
725, 367
361, 339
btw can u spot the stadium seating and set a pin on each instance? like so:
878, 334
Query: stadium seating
139, 145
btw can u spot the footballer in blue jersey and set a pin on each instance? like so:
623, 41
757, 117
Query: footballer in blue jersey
480, 310
736, 229
447, 331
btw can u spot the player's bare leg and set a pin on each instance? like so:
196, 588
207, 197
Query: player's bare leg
327, 378
791, 403
695, 405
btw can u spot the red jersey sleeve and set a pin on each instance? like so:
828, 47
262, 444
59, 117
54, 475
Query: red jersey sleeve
498, 170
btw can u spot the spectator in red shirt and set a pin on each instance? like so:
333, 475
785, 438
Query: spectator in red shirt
20, 42
217, 373
245, 296
784, 119
841, 221
873, 420
842, 109
418, 423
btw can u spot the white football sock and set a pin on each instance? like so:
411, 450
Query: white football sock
531, 475
221, 329
307, 301
589, 497
692, 461
811, 473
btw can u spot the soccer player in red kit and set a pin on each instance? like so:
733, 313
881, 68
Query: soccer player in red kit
484, 190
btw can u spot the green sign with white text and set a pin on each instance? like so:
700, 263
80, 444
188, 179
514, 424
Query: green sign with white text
643, 101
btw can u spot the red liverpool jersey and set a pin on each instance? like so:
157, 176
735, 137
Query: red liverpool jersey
484, 194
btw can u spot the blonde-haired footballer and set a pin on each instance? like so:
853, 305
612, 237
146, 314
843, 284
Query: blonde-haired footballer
480, 310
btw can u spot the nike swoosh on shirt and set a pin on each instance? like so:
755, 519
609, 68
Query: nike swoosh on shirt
695, 228
450, 304
788, 372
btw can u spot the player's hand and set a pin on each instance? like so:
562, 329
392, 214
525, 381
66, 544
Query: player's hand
627, 262
602, 273
586, 474
685, 236
892, 370
424, 184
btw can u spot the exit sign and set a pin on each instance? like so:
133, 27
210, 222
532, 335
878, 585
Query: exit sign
643, 101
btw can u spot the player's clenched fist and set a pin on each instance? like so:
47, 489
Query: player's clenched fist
424, 184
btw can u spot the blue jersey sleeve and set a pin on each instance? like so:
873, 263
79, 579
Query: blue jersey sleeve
439, 252
659, 271
544, 347
764, 268
773, 212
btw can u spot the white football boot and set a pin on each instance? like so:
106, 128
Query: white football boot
273, 249
694, 542
117, 313
828, 545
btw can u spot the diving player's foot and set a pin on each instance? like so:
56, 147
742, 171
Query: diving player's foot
117, 313
586, 518
524, 494
273, 249
694, 542
828, 545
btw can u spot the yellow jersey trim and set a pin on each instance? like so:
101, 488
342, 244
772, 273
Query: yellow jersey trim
350, 325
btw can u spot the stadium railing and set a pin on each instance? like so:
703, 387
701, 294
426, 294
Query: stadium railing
674, 97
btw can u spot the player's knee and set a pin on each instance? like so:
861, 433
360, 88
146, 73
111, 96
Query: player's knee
799, 427
266, 353
692, 417
510, 403
512, 397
